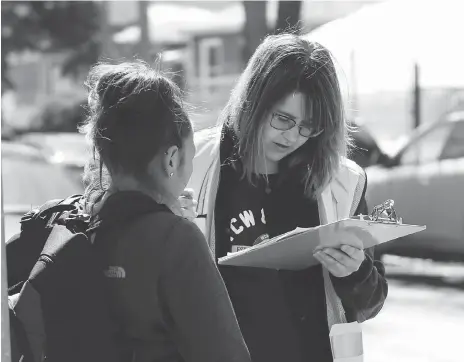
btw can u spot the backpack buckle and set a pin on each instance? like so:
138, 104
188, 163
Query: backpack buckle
30, 215
77, 221
78, 217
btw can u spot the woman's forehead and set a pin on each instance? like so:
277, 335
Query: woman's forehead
296, 105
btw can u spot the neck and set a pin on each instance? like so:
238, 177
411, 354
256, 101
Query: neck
267, 167
129, 183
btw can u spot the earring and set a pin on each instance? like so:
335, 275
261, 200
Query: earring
171, 174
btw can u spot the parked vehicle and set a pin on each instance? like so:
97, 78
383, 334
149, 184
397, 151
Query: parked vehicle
68, 149
28, 181
367, 151
426, 179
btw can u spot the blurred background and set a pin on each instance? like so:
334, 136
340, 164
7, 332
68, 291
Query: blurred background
401, 66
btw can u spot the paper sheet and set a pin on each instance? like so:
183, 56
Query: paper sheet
346, 342
294, 250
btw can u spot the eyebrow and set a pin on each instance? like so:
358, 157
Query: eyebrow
286, 114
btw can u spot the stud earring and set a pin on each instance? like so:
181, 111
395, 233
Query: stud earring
171, 174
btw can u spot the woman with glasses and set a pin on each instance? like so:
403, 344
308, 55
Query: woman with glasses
277, 161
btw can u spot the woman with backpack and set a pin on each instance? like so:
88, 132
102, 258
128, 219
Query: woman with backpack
166, 296
277, 161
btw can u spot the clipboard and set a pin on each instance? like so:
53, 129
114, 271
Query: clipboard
294, 250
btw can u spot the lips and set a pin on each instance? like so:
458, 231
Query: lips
281, 146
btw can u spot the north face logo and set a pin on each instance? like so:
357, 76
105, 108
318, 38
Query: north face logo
115, 272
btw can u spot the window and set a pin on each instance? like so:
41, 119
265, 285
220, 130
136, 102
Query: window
214, 61
211, 57
454, 147
429, 146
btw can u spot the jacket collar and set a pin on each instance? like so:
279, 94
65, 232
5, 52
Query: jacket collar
121, 206
338, 194
335, 199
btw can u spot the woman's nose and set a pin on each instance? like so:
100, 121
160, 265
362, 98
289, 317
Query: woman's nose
291, 135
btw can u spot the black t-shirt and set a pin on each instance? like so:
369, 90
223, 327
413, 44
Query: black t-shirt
282, 314
252, 213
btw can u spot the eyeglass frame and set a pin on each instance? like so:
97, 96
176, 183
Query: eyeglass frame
274, 114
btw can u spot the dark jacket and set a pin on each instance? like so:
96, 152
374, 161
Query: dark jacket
363, 292
165, 291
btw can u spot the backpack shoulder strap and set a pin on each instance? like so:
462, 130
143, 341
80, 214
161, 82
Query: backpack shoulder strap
24, 248
20, 347
27, 324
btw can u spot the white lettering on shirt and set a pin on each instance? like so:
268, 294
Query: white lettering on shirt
248, 218
235, 229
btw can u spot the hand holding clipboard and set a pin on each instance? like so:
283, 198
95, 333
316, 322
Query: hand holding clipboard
295, 250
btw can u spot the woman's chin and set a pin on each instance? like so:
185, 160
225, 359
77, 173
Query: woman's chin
277, 156
272, 163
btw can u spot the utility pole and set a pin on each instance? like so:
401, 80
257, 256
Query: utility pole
107, 46
417, 96
353, 87
144, 46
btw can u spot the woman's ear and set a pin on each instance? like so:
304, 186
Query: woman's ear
171, 160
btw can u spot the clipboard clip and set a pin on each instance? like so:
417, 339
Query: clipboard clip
385, 213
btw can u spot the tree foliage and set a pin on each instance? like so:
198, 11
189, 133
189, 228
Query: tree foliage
50, 26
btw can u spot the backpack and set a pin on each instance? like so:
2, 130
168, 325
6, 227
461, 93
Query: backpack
56, 288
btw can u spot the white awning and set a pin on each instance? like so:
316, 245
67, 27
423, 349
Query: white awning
382, 42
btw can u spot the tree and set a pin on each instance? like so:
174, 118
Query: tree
255, 28
288, 17
50, 26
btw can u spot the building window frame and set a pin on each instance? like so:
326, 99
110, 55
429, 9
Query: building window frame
206, 69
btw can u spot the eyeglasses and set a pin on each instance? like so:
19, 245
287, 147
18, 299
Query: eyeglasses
284, 123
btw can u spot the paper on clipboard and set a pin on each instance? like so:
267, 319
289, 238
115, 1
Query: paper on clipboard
294, 250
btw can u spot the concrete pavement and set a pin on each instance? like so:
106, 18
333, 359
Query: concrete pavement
422, 321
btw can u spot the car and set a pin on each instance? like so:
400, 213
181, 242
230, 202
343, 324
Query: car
28, 181
68, 149
366, 151
425, 178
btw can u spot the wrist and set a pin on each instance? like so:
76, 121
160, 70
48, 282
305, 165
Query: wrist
356, 277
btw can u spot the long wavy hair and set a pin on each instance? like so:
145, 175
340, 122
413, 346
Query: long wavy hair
281, 65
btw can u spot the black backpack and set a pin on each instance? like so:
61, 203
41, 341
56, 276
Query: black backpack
58, 310
57, 302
